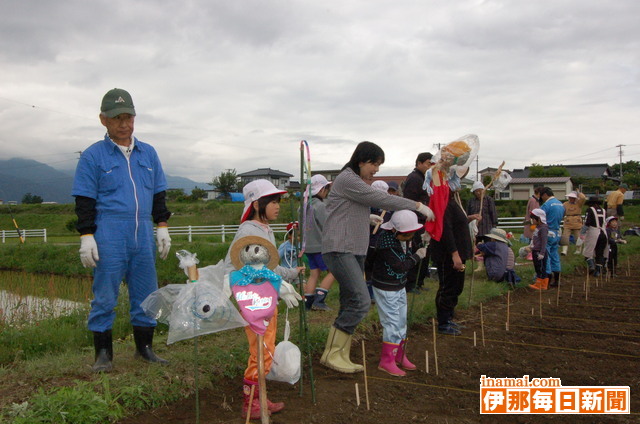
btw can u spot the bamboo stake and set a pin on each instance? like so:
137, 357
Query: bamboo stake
558, 294
508, 309
532, 311
426, 359
435, 350
474, 339
571, 290
482, 324
251, 393
366, 383
357, 396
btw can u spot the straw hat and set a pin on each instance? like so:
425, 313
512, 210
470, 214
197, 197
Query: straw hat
244, 243
498, 234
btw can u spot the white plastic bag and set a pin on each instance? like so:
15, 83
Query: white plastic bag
286, 360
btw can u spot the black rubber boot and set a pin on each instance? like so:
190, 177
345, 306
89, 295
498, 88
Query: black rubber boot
143, 336
592, 265
598, 271
102, 341
555, 279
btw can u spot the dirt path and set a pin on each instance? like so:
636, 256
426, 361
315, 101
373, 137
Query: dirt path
584, 342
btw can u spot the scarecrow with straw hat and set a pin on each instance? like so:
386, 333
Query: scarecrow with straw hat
499, 259
572, 220
257, 281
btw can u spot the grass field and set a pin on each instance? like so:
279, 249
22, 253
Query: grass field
45, 367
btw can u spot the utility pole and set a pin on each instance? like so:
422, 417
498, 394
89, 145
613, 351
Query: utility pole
477, 167
619, 146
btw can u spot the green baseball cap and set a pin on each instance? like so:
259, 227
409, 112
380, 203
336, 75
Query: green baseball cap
117, 101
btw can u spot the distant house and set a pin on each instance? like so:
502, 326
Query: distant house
522, 188
278, 178
490, 172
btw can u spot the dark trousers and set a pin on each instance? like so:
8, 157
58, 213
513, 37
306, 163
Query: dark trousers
540, 265
451, 285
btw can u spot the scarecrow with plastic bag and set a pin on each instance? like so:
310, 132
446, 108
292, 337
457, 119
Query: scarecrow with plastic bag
450, 239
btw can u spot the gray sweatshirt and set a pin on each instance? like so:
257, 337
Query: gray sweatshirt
346, 229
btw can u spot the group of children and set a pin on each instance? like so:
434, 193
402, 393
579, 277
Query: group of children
599, 235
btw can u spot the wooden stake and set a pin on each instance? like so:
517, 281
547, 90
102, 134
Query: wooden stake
540, 302
357, 396
571, 291
508, 309
251, 393
628, 268
426, 359
474, 339
366, 384
262, 394
532, 311
435, 349
558, 294
375, 229
482, 324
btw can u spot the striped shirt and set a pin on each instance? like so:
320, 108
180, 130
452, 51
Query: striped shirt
346, 229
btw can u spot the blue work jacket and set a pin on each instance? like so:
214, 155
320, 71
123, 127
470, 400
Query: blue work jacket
121, 187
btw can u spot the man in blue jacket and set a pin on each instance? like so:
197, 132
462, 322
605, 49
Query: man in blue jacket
555, 213
119, 188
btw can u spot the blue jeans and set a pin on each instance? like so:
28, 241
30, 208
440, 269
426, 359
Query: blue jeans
392, 310
348, 269
553, 263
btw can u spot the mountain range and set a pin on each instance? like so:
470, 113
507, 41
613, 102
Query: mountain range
21, 176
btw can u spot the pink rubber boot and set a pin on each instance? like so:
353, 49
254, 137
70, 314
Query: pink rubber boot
388, 360
401, 357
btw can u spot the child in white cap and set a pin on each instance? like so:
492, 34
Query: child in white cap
392, 260
312, 227
539, 248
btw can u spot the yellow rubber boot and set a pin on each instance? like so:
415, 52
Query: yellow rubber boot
336, 352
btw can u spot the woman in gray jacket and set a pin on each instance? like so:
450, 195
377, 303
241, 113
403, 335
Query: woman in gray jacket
345, 241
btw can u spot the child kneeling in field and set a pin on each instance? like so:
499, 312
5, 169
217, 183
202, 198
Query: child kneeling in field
392, 261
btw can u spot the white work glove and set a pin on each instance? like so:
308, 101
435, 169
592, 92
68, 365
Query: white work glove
422, 252
426, 238
426, 211
88, 251
163, 241
375, 219
289, 294
540, 256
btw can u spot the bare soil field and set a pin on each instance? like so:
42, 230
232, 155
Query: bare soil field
585, 339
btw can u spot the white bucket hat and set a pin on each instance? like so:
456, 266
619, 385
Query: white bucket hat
318, 182
540, 214
380, 185
403, 221
254, 191
477, 186
573, 194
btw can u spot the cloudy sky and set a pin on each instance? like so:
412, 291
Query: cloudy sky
238, 83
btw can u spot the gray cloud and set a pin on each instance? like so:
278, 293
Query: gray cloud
237, 85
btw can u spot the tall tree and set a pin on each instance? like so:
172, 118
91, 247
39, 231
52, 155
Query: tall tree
31, 198
226, 182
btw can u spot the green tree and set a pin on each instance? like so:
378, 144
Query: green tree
226, 182
198, 194
176, 195
537, 171
31, 199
